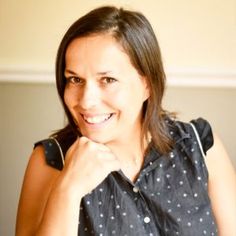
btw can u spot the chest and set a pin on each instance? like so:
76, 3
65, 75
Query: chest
169, 195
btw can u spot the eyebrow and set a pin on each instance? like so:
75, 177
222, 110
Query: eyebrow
104, 73
70, 72
98, 73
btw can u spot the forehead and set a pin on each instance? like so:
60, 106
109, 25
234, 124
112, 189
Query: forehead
96, 51
98, 42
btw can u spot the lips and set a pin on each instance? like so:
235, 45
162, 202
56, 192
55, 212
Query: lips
97, 119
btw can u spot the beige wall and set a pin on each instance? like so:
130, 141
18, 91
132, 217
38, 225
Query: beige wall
196, 36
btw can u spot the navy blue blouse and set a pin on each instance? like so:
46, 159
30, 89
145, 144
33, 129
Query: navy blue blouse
169, 197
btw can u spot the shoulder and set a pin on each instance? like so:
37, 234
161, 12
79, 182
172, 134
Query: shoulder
204, 133
56, 146
218, 161
53, 152
38, 159
217, 154
197, 128
38, 170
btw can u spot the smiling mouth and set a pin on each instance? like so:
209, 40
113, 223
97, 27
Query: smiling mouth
98, 119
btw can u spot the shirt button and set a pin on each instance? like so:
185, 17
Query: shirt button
135, 189
146, 219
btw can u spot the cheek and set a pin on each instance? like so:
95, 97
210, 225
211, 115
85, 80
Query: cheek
69, 98
116, 99
128, 102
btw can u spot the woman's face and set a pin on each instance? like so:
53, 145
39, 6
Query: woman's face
104, 92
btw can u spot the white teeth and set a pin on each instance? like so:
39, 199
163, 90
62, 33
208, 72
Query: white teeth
97, 119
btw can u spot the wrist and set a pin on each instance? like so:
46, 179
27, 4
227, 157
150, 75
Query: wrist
71, 190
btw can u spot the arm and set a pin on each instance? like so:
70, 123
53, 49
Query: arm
50, 199
222, 188
38, 181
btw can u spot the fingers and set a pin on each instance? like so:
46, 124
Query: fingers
85, 145
103, 153
91, 161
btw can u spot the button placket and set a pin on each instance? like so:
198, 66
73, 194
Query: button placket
135, 189
146, 219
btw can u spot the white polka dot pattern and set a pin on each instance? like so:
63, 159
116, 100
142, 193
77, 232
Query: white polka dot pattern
168, 198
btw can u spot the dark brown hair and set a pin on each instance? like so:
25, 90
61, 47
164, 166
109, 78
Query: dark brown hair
134, 33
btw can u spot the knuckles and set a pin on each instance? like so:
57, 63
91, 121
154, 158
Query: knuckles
82, 140
85, 150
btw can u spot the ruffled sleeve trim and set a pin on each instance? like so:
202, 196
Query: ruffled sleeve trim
205, 133
53, 152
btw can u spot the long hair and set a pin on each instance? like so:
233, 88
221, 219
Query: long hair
135, 34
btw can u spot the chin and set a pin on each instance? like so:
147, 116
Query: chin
98, 138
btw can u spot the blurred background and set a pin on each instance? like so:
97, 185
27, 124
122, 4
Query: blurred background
198, 42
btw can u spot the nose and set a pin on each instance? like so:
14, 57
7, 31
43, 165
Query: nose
90, 96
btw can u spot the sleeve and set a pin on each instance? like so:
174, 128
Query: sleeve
53, 153
205, 133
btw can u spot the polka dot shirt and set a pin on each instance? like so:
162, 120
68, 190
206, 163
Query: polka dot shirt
169, 197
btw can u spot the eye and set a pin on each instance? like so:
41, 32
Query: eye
74, 80
108, 80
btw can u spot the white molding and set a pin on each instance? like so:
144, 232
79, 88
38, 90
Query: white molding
26, 75
188, 77
178, 77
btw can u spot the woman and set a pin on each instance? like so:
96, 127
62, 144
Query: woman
123, 165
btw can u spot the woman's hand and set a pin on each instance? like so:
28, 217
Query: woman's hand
87, 164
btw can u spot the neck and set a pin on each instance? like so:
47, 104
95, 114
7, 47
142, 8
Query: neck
130, 154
